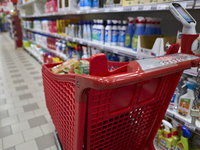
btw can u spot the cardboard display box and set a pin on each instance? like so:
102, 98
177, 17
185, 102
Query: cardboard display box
153, 45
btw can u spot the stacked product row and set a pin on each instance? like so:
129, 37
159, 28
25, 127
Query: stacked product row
110, 32
70, 49
183, 97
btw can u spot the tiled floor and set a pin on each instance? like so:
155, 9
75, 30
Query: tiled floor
25, 123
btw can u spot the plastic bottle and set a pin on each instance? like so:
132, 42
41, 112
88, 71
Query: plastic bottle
174, 101
108, 33
95, 4
153, 23
186, 100
82, 4
139, 30
122, 34
72, 30
119, 29
183, 143
89, 34
80, 30
165, 139
85, 54
160, 132
84, 30
129, 32
63, 47
98, 31
195, 142
158, 29
94, 31
87, 4
148, 28
174, 132
101, 32
115, 33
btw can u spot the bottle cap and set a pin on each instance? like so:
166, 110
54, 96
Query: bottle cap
167, 125
190, 84
186, 132
149, 20
130, 19
140, 20
124, 21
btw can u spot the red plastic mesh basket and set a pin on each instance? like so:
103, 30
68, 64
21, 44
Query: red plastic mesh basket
120, 109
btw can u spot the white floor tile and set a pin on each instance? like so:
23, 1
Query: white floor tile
12, 140
35, 99
12, 99
6, 106
9, 120
26, 116
41, 104
21, 126
32, 133
48, 118
15, 111
1, 145
30, 145
41, 111
54, 147
48, 128
47, 149
21, 103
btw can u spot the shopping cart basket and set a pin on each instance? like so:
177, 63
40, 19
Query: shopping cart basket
117, 110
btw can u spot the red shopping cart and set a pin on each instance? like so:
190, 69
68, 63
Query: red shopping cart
118, 109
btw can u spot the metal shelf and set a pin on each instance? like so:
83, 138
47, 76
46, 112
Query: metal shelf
28, 49
113, 49
184, 121
62, 56
134, 8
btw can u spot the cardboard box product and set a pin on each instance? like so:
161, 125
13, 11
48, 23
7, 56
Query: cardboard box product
165, 1
128, 2
153, 45
150, 1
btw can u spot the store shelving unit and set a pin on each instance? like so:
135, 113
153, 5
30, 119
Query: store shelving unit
184, 121
63, 57
113, 49
146, 7
33, 53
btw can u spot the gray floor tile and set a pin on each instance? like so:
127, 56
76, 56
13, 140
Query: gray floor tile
18, 81
5, 131
1, 92
21, 88
16, 75
10, 63
11, 67
30, 107
37, 121
12, 71
2, 101
25, 96
40, 84
30, 68
25, 61
27, 65
45, 141
3, 114
11, 148
37, 78
34, 72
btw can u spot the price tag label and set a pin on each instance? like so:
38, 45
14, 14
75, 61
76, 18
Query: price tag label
160, 7
78, 12
101, 46
81, 42
146, 7
135, 8
189, 126
106, 10
87, 11
120, 8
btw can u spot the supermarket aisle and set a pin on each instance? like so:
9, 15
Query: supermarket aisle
25, 123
